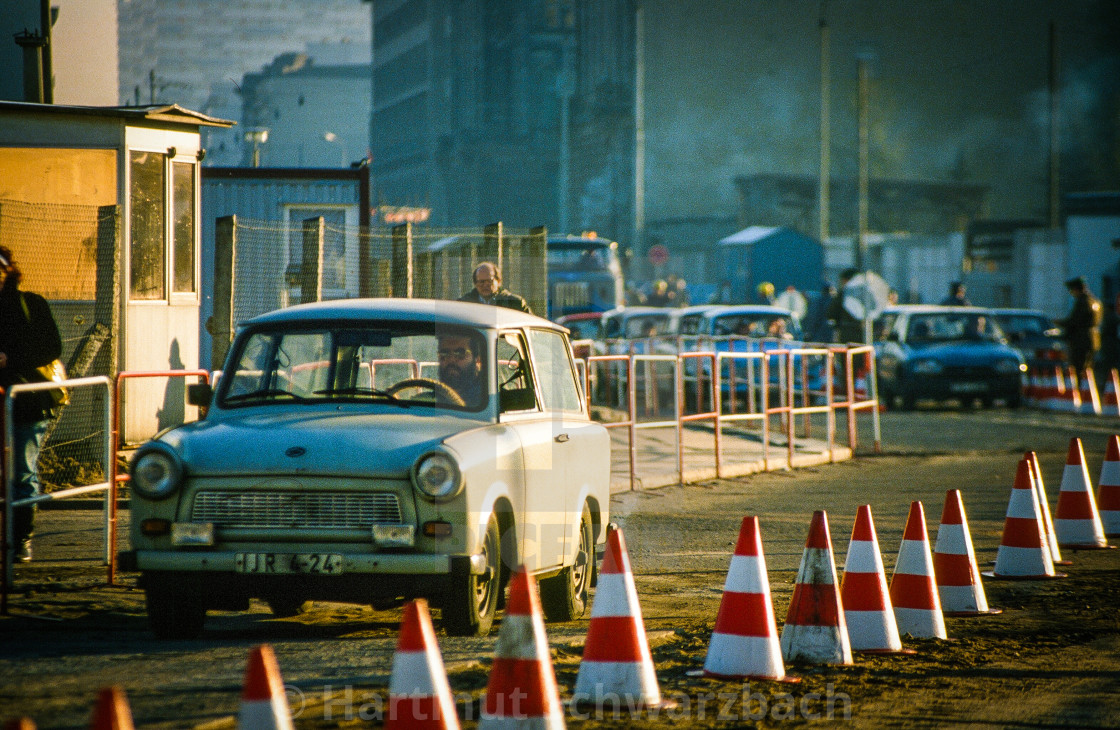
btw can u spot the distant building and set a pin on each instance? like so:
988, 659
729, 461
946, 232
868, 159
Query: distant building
519, 112
195, 52
315, 116
893, 205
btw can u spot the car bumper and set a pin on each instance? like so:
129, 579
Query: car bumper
373, 564
968, 388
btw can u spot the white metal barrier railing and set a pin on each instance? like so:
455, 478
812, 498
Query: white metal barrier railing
10, 503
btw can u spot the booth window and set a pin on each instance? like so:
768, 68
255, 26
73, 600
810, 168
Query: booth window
182, 182
147, 223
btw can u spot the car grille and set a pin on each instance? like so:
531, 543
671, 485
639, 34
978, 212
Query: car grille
969, 372
338, 510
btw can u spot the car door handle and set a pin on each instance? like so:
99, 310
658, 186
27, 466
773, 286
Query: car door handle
561, 438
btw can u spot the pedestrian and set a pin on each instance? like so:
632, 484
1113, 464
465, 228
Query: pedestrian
1083, 325
846, 327
660, 296
956, 297
765, 293
488, 289
1109, 355
29, 340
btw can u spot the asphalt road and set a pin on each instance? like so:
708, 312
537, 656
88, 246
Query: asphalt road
67, 634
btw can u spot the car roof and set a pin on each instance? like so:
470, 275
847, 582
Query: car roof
721, 310
1020, 312
579, 316
635, 311
934, 309
437, 311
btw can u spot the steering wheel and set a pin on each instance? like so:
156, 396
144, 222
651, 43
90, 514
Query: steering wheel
444, 393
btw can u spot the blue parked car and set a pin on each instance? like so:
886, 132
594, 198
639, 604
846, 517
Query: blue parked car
945, 353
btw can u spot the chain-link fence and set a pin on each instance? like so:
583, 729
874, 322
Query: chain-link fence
69, 255
264, 265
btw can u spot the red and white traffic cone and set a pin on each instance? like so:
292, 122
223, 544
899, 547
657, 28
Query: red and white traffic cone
745, 640
1087, 392
264, 706
863, 592
111, 711
419, 694
1078, 525
1023, 553
954, 564
1050, 537
917, 608
616, 665
1110, 398
1109, 486
522, 690
815, 631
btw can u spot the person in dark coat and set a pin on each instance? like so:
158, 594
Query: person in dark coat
956, 297
29, 339
488, 290
845, 326
1083, 325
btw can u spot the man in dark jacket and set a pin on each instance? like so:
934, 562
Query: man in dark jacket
845, 326
1083, 325
29, 339
488, 290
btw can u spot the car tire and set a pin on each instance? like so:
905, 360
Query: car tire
564, 596
174, 612
472, 601
287, 606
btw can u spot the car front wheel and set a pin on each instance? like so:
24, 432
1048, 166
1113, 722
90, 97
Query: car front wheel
472, 601
173, 613
564, 595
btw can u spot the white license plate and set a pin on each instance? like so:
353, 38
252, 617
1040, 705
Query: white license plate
317, 563
968, 387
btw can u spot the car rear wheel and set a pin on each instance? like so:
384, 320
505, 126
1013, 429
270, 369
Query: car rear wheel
472, 601
564, 595
174, 613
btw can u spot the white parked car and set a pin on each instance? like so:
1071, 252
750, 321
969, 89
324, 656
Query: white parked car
371, 451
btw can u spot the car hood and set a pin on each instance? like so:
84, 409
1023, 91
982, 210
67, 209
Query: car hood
330, 444
964, 353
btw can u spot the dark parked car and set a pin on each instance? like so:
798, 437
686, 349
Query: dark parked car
1034, 334
945, 353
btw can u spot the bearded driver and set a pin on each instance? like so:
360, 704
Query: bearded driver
461, 368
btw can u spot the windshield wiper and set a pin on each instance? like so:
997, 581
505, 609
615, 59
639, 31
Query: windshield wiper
266, 393
361, 390
356, 390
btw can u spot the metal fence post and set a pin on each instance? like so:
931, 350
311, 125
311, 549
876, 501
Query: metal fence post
402, 270
220, 325
311, 271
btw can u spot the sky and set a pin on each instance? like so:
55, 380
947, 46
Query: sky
84, 57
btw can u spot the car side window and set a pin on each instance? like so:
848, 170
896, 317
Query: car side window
555, 374
515, 386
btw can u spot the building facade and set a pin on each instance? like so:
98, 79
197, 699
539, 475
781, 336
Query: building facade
520, 112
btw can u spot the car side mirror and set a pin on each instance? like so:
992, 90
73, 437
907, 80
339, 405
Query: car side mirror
200, 394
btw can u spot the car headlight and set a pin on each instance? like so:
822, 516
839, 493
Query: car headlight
156, 471
437, 476
926, 367
1007, 366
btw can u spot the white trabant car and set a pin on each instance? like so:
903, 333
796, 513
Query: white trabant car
371, 451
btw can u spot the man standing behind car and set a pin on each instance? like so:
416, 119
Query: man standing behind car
1082, 326
488, 290
29, 339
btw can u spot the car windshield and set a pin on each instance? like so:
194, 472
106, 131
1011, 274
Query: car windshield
403, 364
1026, 324
951, 327
647, 325
754, 325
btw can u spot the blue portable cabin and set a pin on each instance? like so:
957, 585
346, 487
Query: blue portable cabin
779, 255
